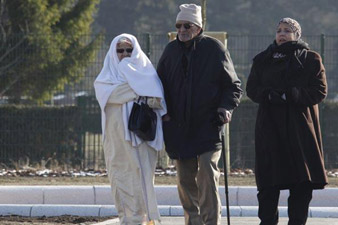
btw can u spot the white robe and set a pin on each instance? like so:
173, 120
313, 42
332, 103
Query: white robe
130, 161
130, 169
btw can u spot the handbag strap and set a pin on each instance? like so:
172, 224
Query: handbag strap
139, 99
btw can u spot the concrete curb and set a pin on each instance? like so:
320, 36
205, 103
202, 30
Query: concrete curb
98, 201
166, 195
165, 210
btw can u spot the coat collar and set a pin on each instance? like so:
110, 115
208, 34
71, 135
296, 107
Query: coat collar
192, 42
294, 49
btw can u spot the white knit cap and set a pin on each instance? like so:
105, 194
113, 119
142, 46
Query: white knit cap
191, 13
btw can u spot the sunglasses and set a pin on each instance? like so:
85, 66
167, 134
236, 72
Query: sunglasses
187, 26
121, 50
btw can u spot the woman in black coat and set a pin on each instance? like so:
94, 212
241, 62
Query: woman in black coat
288, 82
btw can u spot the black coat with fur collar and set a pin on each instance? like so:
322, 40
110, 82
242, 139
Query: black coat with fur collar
288, 139
197, 80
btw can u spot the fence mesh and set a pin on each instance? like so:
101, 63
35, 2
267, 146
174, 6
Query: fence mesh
29, 134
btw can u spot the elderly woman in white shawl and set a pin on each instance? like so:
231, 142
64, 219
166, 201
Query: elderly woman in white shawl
127, 73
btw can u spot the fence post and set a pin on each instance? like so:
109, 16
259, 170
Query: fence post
148, 41
322, 54
322, 46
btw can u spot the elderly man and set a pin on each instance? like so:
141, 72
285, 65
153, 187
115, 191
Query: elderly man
201, 90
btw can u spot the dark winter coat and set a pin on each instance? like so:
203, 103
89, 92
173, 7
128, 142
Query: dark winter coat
197, 80
287, 135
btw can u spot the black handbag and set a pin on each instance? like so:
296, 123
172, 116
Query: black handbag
143, 121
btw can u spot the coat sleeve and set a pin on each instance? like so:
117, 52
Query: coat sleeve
162, 72
254, 88
161, 69
315, 90
231, 85
122, 94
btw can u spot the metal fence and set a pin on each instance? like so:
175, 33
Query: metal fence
86, 138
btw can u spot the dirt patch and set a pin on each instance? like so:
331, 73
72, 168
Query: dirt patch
19, 220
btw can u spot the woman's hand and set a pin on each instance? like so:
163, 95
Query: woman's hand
166, 118
154, 102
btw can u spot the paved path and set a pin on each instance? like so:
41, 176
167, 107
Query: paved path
236, 221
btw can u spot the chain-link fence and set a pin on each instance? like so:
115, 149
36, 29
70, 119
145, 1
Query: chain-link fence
66, 129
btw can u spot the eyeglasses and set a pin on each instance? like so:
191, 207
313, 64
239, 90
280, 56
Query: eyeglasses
187, 26
121, 50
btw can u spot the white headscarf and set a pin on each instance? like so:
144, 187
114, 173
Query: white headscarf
141, 76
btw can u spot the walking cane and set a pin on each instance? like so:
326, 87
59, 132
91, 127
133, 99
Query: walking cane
225, 174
